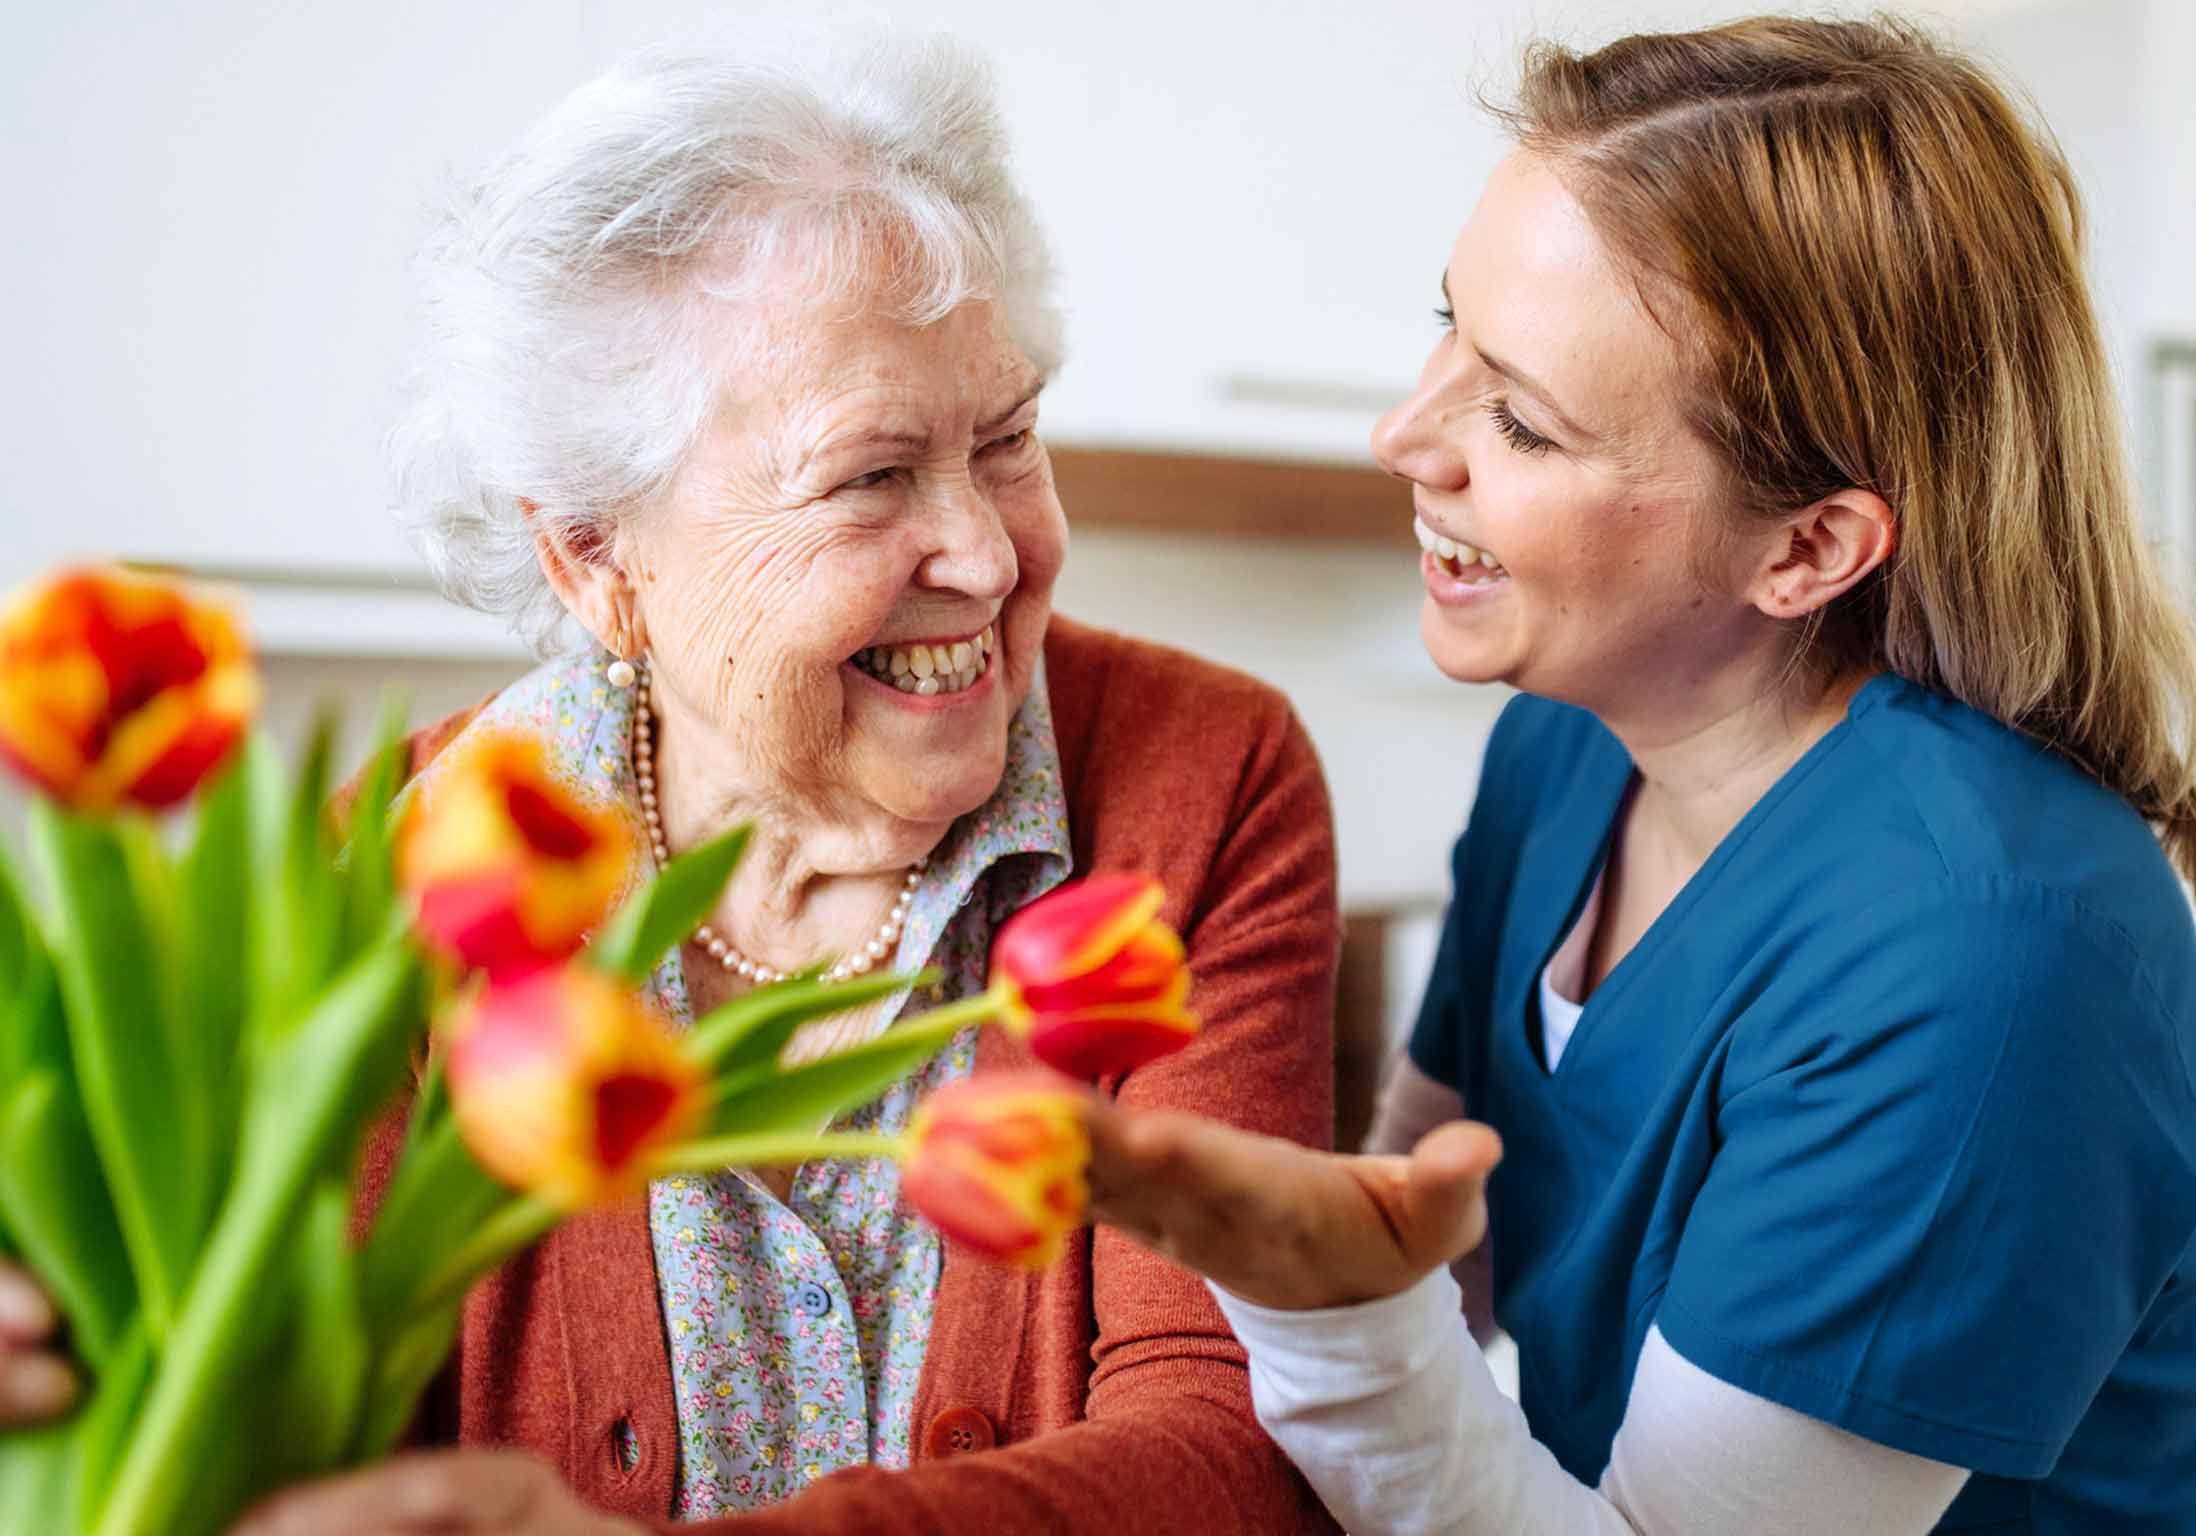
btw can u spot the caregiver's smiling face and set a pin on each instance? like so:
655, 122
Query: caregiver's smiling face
1547, 435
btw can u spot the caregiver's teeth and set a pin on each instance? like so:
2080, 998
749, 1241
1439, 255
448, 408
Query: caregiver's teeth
1456, 557
928, 670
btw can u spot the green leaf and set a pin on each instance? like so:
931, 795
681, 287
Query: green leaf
292, 1390
33, 1032
318, 1405
54, 1199
312, 1095
37, 1479
202, 1089
404, 1366
127, 1075
103, 1429
811, 1095
437, 1198
370, 862
750, 1031
299, 939
217, 883
670, 907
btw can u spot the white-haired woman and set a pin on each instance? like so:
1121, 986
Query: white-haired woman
736, 362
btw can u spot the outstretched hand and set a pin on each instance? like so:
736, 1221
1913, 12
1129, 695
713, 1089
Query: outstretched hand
1282, 1225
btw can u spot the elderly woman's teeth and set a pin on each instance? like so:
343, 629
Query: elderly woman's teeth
926, 670
1460, 560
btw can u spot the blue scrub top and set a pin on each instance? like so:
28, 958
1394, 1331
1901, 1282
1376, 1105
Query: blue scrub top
1889, 1118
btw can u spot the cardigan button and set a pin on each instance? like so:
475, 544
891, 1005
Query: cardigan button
958, 1431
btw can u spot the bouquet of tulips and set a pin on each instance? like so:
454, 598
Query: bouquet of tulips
205, 1021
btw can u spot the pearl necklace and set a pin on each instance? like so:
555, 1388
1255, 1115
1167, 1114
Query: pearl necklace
713, 943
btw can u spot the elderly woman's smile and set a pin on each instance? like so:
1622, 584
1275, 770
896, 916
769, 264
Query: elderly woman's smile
945, 665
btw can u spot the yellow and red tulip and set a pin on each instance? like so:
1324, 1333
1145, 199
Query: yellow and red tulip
1091, 978
508, 868
118, 688
999, 1163
564, 1083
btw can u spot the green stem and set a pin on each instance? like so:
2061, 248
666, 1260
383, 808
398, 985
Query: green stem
781, 1149
513, 1226
945, 1022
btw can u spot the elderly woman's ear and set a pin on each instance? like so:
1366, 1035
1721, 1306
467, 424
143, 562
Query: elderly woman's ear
579, 561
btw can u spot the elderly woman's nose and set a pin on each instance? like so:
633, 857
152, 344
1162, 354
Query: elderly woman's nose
1420, 441
974, 552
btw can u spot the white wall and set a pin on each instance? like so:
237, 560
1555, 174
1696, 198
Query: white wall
211, 207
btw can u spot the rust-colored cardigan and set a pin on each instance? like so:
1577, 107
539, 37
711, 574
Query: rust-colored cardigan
1105, 1395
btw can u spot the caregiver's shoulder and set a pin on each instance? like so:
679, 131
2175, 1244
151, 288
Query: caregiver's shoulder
1988, 817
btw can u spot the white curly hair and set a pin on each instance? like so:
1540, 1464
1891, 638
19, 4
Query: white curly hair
564, 374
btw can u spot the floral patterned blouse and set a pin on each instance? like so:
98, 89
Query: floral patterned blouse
797, 1327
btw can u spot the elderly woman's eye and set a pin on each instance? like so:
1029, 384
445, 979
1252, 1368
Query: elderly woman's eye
1011, 441
870, 481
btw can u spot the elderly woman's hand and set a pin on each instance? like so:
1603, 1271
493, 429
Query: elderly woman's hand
1282, 1225
437, 1493
35, 1382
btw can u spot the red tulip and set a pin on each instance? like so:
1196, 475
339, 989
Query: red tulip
1090, 977
998, 1162
563, 1083
118, 688
508, 868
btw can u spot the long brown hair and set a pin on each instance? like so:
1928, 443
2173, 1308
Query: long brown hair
1876, 262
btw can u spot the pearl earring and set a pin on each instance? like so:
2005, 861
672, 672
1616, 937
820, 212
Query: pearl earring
621, 673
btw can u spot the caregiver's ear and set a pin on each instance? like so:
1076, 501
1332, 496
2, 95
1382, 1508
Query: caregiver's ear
1821, 552
578, 559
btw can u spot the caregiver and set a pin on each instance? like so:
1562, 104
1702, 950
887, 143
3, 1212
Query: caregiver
1810, 953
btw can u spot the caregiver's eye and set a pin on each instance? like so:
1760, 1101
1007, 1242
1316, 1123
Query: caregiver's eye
1521, 437
1446, 316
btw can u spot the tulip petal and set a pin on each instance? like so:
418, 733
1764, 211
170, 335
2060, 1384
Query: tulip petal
999, 1163
969, 1209
117, 687
1107, 1043
1075, 928
562, 1082
496, 823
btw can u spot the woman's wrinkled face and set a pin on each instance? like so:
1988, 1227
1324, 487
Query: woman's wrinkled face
849, 581
1559, 491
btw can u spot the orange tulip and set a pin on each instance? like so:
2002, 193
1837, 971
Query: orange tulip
121, 689
563, 1083
508, 868
1092, 980
998, 1162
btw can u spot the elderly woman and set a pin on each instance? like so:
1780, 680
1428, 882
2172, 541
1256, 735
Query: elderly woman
1810, 954
736, 363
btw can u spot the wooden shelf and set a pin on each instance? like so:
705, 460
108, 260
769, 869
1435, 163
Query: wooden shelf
1239, 497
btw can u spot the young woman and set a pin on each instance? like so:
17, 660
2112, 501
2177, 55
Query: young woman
1810, 954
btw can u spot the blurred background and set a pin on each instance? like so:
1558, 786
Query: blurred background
1250, 204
